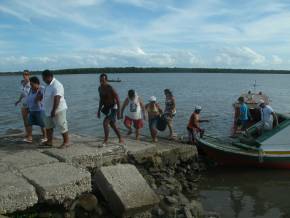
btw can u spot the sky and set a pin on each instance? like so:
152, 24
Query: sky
57, 34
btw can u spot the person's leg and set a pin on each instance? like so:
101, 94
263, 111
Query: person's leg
138, 125
116, 130
29, 133
128, 125
190, 136
44, 135
170, 127
154, 130
61, 122
65, 139
25, 113
49, 133
106, 130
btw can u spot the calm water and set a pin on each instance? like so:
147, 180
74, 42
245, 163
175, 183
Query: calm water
233, 193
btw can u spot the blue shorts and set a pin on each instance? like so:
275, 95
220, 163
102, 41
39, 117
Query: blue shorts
36, 118
110, 112
153, 122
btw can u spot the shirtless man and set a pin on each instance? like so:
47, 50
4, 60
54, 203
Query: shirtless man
109, 105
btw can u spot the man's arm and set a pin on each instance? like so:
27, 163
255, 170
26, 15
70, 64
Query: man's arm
117, 100
124, 106
159, 108
100, 105
142, 108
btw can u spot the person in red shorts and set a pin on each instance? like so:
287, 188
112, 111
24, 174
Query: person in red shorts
135, 113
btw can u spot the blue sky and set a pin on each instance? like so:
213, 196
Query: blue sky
54, 34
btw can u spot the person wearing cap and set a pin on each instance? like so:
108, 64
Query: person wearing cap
169, 111
25, 89
268, 116
135, 113
245, 115
193, 127
154, 111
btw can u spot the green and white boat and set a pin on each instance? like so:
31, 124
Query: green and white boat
271, 149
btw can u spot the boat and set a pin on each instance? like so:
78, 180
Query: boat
115, 80
271, 149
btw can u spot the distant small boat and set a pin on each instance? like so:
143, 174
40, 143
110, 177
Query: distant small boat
114, 80
269, 150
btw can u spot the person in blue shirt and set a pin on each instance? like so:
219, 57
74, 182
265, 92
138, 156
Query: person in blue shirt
35, 106
245, 115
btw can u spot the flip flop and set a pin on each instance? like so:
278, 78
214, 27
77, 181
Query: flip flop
27, 140
43, 140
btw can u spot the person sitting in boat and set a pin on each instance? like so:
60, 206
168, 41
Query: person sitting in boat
245, 115
135, 113
193, 127
268, 116
154, 111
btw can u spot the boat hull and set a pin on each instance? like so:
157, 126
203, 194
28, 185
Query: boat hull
235, 157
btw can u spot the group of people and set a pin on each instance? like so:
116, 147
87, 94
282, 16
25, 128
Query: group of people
268, 117
46, 107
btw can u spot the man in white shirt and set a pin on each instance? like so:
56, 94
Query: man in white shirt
268, 116
55, 108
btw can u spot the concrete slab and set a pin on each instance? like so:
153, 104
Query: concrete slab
15, 193
125, 189
3, 167
58, 181
27, 158
87, 155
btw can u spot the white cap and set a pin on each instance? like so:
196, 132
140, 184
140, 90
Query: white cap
152, 98
261, 102
198, 108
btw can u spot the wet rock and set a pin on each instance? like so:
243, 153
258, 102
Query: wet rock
158, 212
196, 208
171, 200
212, 215
187, 212
87, 201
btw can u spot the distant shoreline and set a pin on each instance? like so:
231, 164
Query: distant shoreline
114, 70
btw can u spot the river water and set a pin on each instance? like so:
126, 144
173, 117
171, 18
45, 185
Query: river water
231, 192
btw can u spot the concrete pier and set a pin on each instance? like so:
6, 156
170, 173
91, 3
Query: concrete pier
30, 175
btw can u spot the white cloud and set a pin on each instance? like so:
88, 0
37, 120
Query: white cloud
14, 13
276, 60
242, 57
102, 58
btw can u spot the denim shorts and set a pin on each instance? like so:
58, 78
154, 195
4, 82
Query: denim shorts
36, 118
153, 122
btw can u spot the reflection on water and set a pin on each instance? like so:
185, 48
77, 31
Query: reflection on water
239, 193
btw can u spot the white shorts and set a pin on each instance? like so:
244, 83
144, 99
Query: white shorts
58, 121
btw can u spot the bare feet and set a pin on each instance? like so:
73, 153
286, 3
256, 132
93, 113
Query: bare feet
64, 145
121, 141
155, 140
129, 132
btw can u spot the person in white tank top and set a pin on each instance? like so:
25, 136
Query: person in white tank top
135, 113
